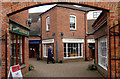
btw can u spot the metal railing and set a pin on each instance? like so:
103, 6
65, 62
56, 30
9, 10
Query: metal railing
113, 33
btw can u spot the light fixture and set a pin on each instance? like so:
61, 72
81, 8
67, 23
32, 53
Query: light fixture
53, 34
28, 22
62, 33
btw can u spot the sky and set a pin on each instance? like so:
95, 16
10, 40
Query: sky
41, 8
46, 7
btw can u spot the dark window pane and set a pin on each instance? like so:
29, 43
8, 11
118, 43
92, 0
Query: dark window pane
64, 44
80, 50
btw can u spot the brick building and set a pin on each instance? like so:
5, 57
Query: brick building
18, 45
34, 38
64, 27
101, 43
113, 16
19, 40
91, 17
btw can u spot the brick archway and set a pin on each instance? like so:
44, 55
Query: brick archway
10, 8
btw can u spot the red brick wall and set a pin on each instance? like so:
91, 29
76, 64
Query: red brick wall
63, 25
53, 18
112, 16
34, 38
100, 33
21, 19
60, 22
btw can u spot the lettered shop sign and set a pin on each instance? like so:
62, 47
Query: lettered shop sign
15, 72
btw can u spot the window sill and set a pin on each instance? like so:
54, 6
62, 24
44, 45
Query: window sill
45, 57
22, 66
73, 57
47, 31
102, 66
73, 29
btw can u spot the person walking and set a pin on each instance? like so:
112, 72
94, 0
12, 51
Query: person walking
50, 55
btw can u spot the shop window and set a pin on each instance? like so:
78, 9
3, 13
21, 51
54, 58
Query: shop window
72, 22
102, 52
16, 52
48, 23
73, 50
45, 49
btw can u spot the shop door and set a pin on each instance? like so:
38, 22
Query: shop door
32, 52
92, 50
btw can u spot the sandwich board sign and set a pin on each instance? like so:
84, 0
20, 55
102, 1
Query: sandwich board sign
15, 72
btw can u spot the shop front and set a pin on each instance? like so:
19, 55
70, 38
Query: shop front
91, 46
18, 34
46, 44
73, 48
34, 48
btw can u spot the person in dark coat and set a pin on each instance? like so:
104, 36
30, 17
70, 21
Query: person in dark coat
50, 55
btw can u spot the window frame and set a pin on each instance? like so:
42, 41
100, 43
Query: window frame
75, 23
15, 58
47, 27
45, 50
100, 53
79, 50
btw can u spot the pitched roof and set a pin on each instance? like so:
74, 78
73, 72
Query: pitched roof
35, 29
82, 8
70, 6
89, 25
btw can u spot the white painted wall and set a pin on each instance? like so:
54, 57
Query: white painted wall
90, 14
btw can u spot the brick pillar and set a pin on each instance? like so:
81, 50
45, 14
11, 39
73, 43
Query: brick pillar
112, 19
88, 51
96, 51
5, 26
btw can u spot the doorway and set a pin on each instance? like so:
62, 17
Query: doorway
33, 50
92, 50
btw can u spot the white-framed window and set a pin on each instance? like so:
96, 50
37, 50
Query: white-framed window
96, 14
72, 22
73, 50
103, 52
45, 49
48, 23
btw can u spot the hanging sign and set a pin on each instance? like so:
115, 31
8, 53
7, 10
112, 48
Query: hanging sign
15, 72
34, 41
18, 29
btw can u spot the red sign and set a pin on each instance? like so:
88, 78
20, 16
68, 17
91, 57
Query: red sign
15, 68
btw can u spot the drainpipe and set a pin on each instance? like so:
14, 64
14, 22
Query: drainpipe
41, 35
6, 54
85, 18
110, 51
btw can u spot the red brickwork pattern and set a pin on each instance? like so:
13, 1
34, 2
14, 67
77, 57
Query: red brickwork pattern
112, 16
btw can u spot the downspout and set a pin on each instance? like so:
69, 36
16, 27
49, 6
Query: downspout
85, 19
41, 35
110, 51
6, 54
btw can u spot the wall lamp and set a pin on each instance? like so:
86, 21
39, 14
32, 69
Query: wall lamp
62, 33
28, 22
53, 34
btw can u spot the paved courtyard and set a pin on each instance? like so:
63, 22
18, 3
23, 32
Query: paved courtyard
69, 69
